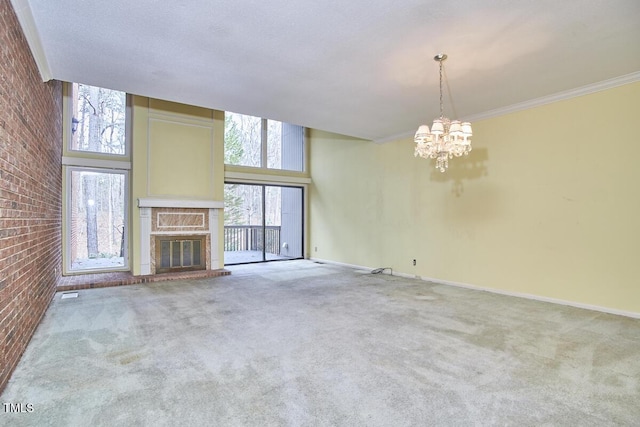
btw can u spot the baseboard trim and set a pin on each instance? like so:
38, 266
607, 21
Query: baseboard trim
535, 297
340, 264
558, 301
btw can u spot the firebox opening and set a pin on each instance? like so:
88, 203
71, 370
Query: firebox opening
180, 253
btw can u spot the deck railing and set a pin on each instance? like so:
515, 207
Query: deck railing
250, 238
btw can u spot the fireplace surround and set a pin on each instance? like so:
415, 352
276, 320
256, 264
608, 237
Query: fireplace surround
183, 221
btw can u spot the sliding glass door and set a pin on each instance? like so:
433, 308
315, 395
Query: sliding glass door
262, 223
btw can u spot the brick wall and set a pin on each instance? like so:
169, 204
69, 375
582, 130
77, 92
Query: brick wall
30, 192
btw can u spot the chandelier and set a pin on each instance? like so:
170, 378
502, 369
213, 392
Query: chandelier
447, 138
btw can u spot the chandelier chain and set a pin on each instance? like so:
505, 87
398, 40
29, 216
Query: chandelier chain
441, 104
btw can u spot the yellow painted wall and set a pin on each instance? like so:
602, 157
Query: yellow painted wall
177, 153
180, 159
546, 204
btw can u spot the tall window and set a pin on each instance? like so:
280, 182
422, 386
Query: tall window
96, 172
261, 143
97, 232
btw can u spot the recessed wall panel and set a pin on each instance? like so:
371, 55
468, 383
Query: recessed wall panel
180, 159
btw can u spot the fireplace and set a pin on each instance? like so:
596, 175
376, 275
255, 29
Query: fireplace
178, 235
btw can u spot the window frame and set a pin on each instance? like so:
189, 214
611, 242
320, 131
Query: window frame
263, 168
78, 160
67, 264
303, 216
68, 151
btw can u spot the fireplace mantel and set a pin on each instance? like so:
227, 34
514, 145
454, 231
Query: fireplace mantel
180, 203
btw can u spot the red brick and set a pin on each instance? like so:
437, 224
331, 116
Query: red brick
30, 192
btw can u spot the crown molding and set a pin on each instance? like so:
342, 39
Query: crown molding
560, 96
395, 137
25, 17
537, 102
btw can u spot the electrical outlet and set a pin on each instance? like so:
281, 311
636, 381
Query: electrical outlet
316, 249
414, 262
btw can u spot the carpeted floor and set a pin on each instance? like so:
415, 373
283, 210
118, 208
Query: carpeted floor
298, 343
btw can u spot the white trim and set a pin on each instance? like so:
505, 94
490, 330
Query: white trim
305, 221
179, 203
558, 301
536, 298
397, 137
180, 233
213, 229
145, 241
95, 163
30, 30
341, 264
66, 244
265, 179
560, 96
405, 275
537, 102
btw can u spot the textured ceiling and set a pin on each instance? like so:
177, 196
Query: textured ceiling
360, 67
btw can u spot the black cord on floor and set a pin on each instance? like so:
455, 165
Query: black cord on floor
381, 270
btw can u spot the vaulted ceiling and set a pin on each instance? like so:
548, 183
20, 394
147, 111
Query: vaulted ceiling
362, 68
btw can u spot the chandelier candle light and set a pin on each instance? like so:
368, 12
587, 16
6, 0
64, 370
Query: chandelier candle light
447, 138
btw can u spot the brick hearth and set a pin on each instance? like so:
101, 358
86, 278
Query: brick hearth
104, 280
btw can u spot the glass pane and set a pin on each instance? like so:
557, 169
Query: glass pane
165, 257
186, 253
98, 122
97, 220
196, 252
242, 140
274, 144
283, 231
175, 253
272, 206
243, 240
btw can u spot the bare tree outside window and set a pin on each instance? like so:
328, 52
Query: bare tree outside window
97, 197
97, 219
100, 116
